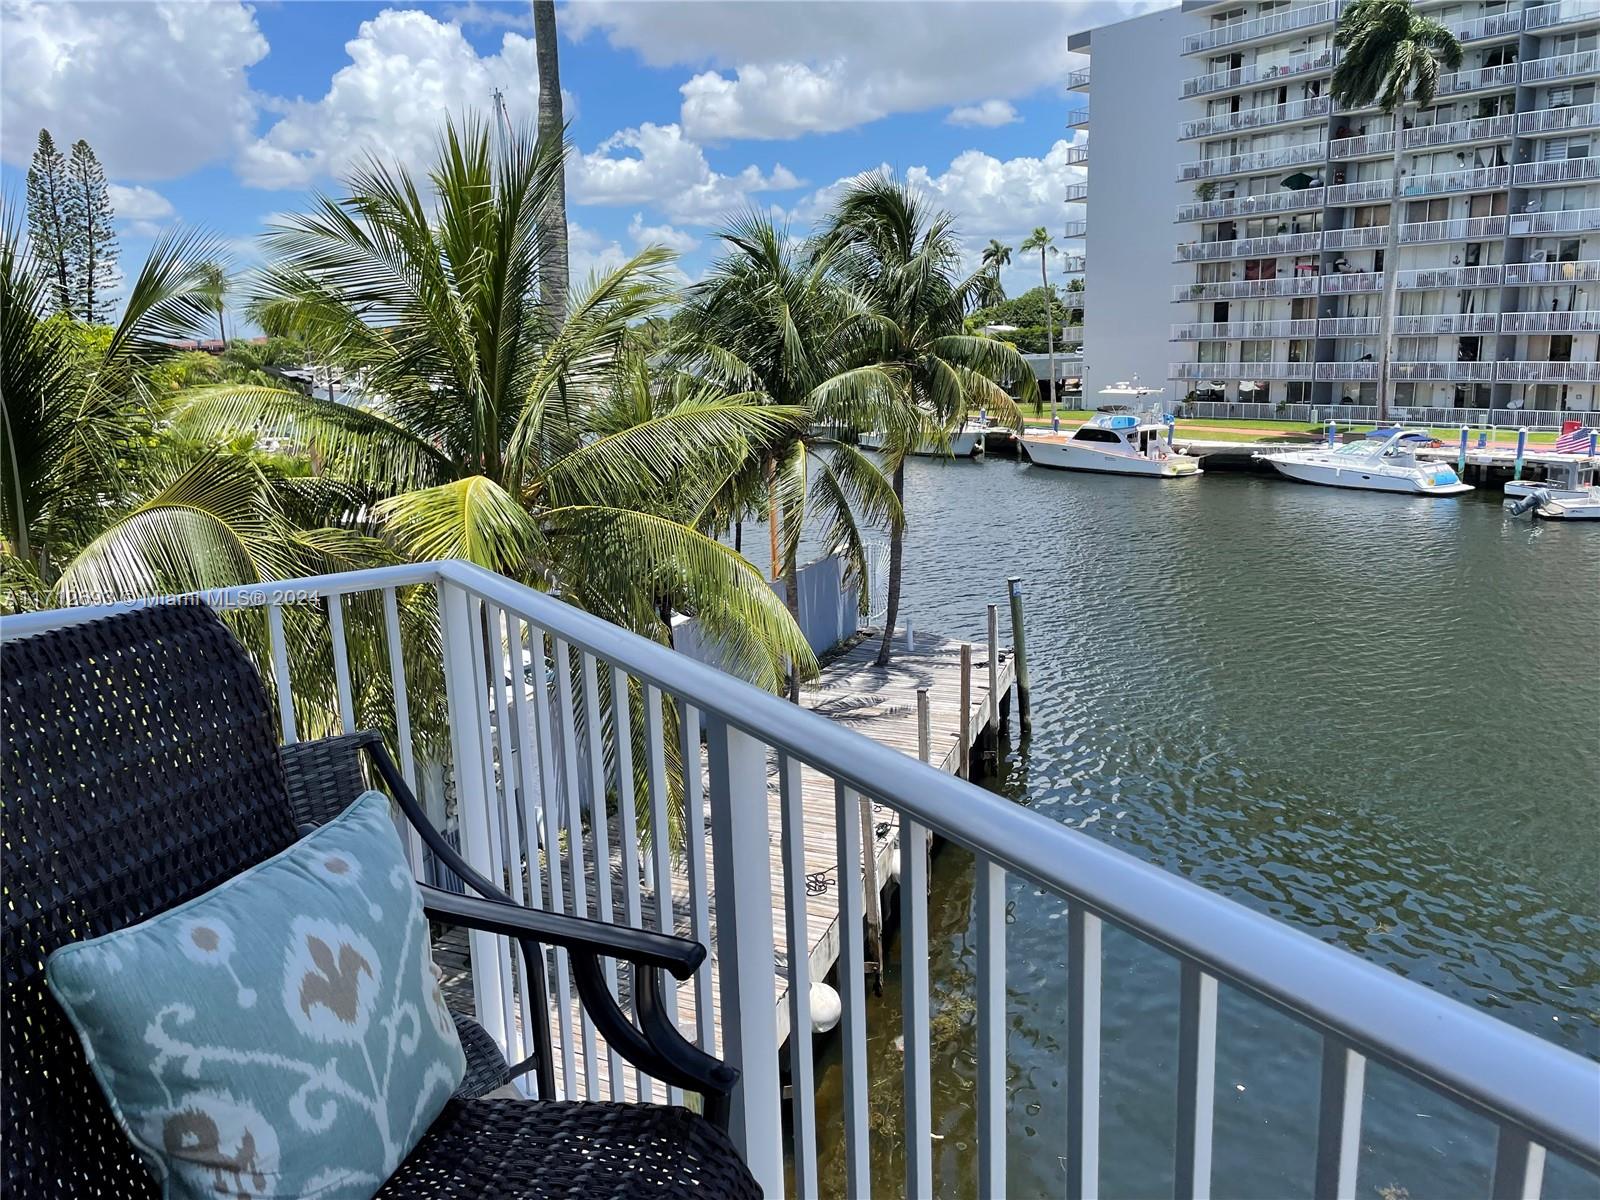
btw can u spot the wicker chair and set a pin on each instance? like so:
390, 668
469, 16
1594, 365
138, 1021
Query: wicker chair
141, 769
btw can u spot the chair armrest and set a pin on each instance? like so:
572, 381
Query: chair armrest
678, 955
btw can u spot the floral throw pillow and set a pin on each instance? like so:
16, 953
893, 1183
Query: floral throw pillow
283, 1034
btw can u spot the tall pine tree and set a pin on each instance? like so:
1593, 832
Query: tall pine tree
47, 219
92, 249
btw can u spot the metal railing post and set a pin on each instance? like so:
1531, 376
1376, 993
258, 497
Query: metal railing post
746, 962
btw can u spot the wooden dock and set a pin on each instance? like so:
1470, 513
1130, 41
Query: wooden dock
878, 702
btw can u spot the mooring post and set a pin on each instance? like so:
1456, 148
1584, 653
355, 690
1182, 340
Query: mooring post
964, 727
1019, 652
1522, 450
924, 726
1461, 455
994, 668
873, 892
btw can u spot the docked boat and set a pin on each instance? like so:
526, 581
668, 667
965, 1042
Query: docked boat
966, 442
1387, 463
1115, 443
1567, 493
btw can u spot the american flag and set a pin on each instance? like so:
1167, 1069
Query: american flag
1573, 441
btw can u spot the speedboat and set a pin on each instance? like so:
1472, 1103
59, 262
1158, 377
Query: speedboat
1387, 463
965, 442
1116, 443
1567, 493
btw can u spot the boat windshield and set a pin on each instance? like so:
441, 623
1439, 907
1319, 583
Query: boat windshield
1357, 449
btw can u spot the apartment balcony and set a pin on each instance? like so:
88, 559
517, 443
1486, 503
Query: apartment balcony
1076, 155
1076, 193
1263, 160
1241, 370
1070, 335
1558, 171
1256, 73
1460, 229
1074, 301
1571, 220
1581, 65
1577, 271
1497, 25
1263, 117
1337, 327
1355, 238
1238, 33
765, 766
1447, 372
1078, 81
1074, 264
1215, 331
1256, 247
1470, 179
1426, 323
1251, 206
1477, 79
1346, 372
1075, 229
1564, 12
1548, 372
1559, 120
1365, 145
1247, 289
1575, 321
1450, 277
1078, 118
1349, 282
1457, 133
1366, 191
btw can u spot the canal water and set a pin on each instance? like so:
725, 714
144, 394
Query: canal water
1375, 718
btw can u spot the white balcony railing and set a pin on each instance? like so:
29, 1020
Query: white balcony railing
1472, 179
1249, 206
1575, 321
1078, 118
1548, 372
1245, 289
1260, 160
1214, 331
1347, 282
1253, 73
1241, 370
1075, 193
1270, 25
1075, 229
1451, 277
1336, 327
1076, 155
509, 757
1363, 191
1425, 323
1561, 66
1455, 133
1563, 12
1259, 117
1346, 372
1477, 79
1457, 230
1570, 220
1366, 145
1494, 25
1452, 372
1255, 247
1558, 120
1355, 237
1578, 271
1078, 80
1558, 170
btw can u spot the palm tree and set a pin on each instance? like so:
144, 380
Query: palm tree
489, 433
217, 284
1391, 56
769, 318
996, 257
900, 258
553, 269
1041, 241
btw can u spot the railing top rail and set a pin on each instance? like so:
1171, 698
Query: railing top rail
1550, 1092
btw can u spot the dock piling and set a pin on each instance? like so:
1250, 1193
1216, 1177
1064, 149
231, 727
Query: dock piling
1522, 450
924, 726
965, 734
872, 890
1461, 457
1019, 652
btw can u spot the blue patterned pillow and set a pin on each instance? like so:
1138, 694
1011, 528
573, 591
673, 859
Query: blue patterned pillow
282, 1035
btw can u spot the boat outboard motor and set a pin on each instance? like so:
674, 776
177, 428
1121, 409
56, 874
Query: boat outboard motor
1517, 506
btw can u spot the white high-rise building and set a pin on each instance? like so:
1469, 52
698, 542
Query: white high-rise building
1283, 213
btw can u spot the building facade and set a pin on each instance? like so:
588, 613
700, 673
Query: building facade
1284, 213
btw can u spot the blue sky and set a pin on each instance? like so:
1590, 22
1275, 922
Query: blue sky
223, 114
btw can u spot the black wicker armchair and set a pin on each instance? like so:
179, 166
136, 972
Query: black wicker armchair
141, 769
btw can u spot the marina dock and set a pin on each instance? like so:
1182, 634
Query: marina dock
1490, 464
878, 702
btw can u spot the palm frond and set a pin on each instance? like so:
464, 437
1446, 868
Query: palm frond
473, 518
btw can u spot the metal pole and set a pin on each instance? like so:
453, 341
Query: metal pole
1461, 455
964, 728
993, 706
1019, 651
924, 726
1522, 449
872, 892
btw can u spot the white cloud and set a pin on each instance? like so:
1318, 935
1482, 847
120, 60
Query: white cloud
656, 165
787, 68
158, 89
407, 72
142, 211
502, 14
680, 241
990, 114
590, 252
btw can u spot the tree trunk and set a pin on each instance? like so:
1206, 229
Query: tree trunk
770, 472
791, 599
222, 329
1391, 272
553, 277
738, 537
1050, 334
896, 554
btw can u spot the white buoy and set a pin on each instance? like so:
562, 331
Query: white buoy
826, 1008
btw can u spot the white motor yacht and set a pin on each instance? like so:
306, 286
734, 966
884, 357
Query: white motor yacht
1116, 443
1382, 462
1567, 493
966, 442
